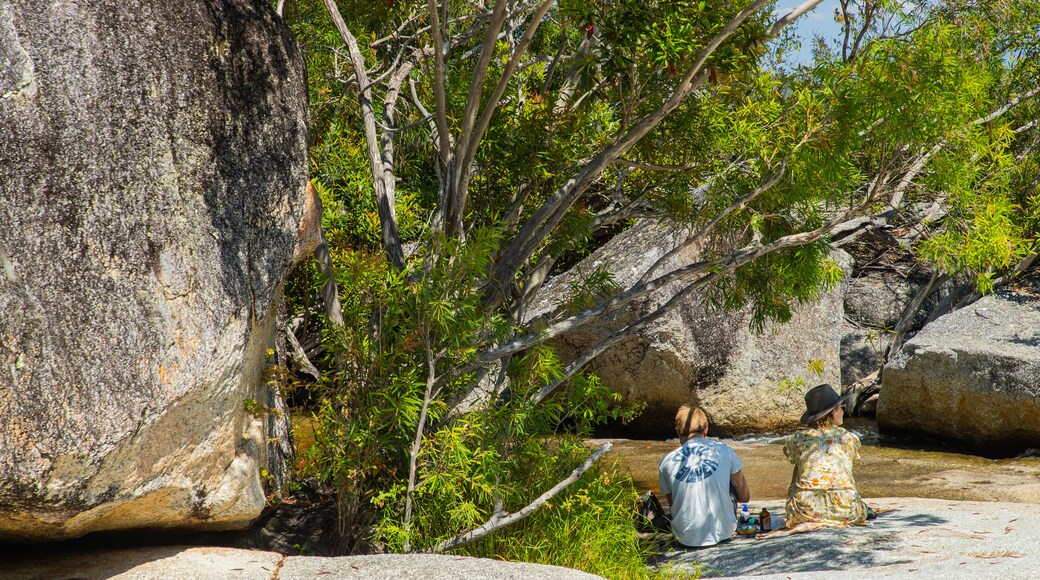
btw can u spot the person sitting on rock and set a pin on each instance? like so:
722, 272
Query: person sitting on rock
823, 491
696, 479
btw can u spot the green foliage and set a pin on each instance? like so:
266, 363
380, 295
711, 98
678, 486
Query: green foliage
589, 290
257, 409
505, 450
588, 526
788, 388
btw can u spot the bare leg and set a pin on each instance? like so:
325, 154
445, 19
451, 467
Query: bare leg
797, 529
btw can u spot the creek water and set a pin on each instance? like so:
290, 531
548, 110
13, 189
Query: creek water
887, 468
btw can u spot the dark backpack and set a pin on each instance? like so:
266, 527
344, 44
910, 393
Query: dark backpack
650, 515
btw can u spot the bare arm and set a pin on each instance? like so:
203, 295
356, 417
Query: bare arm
740, 484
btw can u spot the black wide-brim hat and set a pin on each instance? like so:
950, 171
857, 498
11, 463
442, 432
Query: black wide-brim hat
820, 401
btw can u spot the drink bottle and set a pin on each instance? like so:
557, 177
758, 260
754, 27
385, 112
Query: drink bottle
765, 521
745, 525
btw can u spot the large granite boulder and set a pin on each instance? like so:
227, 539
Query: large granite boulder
152, 190
972, 376
746, 382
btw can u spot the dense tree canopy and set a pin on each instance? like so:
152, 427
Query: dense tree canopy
466, 150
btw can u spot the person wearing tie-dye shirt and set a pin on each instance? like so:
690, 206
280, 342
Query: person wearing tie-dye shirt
697, 478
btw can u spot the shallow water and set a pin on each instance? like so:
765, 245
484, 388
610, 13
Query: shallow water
886, 468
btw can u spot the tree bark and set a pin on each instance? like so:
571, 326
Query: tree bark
381, 173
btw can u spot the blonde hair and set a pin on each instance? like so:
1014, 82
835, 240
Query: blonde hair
825, 421
690, 421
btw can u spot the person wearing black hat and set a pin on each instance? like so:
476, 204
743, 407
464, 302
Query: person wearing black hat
823, 490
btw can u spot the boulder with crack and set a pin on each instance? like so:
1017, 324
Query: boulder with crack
746, 382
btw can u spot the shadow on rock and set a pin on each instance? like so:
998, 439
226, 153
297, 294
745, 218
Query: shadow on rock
825, 549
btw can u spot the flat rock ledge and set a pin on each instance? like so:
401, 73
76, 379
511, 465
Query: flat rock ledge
918, 538
915, 538
209, 563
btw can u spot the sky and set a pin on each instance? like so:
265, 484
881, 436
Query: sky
818, 21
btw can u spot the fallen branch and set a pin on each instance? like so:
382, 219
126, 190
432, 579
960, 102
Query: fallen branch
501, 519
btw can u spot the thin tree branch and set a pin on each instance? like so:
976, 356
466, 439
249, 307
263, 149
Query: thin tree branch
868, 17
628, 330
739, 204
547, 217
908, 177
847, 29
439, 71
413, 455
786, 19
910, 312
330, 294
469, 148
397, 33
299, 356
426, 115
499, 520
570, 81
1007, 106
385, 202
654, 167
476, 88
722, 266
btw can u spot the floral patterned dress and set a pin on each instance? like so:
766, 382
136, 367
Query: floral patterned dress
822, 487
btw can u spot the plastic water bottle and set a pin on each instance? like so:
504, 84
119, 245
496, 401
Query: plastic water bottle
745, 526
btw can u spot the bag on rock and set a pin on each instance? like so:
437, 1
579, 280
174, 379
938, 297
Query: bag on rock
650, 516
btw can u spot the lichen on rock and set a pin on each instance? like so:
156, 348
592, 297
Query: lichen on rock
152, 187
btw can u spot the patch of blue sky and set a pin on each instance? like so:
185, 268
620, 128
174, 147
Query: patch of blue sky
817, 23
822, 23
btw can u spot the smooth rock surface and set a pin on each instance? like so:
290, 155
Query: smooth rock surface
423, 566
154, 563
920, 538
153, 170
209, 563
972, 376
697, 355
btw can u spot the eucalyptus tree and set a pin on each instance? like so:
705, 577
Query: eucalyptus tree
463, 150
